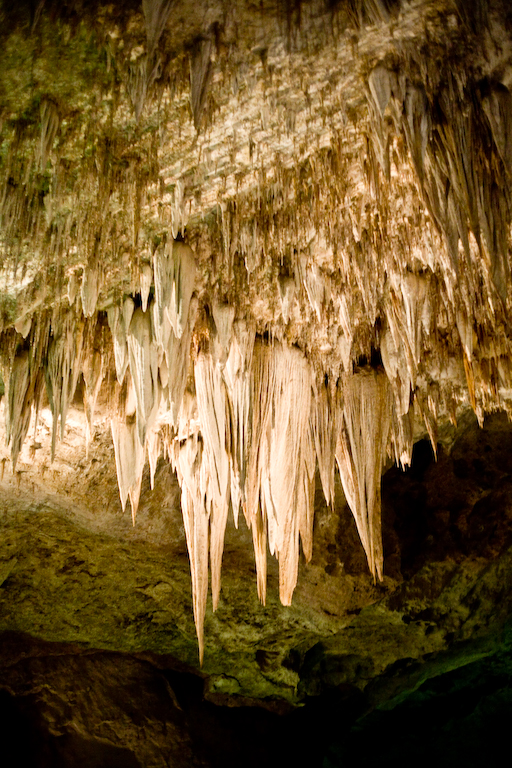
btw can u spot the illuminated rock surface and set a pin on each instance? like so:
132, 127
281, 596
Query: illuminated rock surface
252, 257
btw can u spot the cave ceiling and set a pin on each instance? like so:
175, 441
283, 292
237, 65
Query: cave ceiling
250, 254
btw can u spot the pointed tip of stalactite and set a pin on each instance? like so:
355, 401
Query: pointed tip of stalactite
133, 506
286, 598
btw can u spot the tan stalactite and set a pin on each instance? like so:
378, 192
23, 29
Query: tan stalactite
187, 459
25, 389
363, 434
93, 371
63, 368
119, 320
324, 431
402, 436
174, 275
50, 122
200, 75
237, 378
143, 361
289, 463
156, 15
90, 290
213, 421
129, 454
262, 387
154, 448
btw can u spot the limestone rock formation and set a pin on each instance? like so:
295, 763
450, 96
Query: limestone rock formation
256, 251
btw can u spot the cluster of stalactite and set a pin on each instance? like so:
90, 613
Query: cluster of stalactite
99, 123
246, 433
245, 420
328, 306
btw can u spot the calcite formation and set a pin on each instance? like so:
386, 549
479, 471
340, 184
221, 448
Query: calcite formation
264, 239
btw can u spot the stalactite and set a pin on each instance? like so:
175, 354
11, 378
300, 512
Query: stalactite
360, 453
262, 387
50, 122
156, 15
146, 279
402, 437
187, 460
213, 420
200, 75
281, 462
290, 447
154, 447
93, 370
175, 274
119, 321
62, 368
175, 362
287, 291
237, 377
90, 290
24, 396
324, 431
143, 361
223, 316
130, 460
397, 370
317, 288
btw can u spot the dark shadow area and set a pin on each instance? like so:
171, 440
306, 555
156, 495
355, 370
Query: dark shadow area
460, 504
73, 750
18, 736
459, 718
229, 737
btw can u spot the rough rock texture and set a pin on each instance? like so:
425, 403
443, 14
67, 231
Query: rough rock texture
251, 257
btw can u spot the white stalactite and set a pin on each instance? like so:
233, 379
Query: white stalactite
174, 275
90, 290
146, 280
